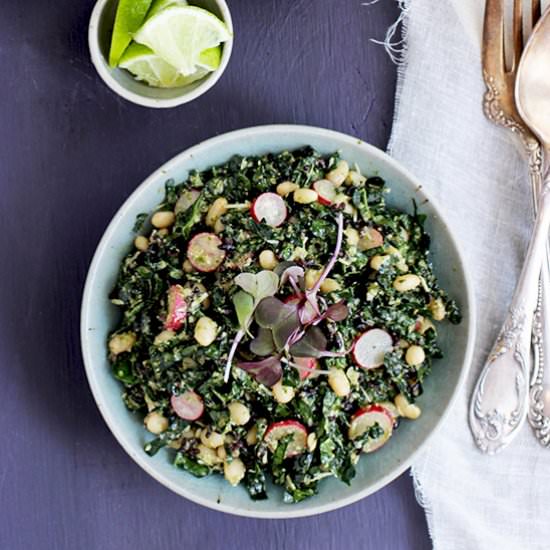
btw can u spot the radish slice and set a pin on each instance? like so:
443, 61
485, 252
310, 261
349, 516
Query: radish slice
186, 200
204, 253
367, 417
276, 431
269, 207
370, 347
177, 308
308, 366
326, 191
188, 405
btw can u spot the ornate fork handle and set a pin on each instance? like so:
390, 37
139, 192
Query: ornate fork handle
501, 395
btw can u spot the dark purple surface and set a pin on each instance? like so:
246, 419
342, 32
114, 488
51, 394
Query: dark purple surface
70, 153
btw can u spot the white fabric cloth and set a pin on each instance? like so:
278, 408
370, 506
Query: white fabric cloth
472, 168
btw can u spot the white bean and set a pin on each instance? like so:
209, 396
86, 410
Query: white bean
406, 409
206, 331
377, 261
120, 343
252, 435
437, 309
163, 336
212, 439
208, 455
282, 394
239, 413
404, 283
305, 196
330, 285
141, 243
162, 220
268, 260
311, 277
352, 236
339, 174
234, 471
415, 356
216, 211
338, 381
285, 188
156, 423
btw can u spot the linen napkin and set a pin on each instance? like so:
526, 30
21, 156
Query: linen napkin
476, 173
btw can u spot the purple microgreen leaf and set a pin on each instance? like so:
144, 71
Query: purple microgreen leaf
313, 344
294, 272
267, 371
294, 286
284, 328
271, 310
282, 266
263, 344
309, 310
337, 312
336, 253
238, 337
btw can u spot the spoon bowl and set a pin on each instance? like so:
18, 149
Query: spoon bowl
533, 82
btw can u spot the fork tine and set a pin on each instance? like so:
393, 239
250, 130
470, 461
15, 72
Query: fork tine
493, 38
536, 12
517, 31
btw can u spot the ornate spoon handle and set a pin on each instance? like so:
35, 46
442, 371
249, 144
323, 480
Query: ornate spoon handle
500, 400
539, 396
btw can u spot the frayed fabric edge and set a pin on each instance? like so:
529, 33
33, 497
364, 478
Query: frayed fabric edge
423, 501
398, 53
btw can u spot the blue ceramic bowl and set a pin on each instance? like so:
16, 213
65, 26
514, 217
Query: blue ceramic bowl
375, 470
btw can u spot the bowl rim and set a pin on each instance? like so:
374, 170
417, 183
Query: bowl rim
141, 458
105, 72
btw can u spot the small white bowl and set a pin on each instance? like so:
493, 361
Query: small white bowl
124, 84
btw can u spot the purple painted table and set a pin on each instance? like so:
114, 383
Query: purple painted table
70, 153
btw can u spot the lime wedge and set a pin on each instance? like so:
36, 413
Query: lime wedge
130, 14
148, 67
159, 5
179, 34
211, 58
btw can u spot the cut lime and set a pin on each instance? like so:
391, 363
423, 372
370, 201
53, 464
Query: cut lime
211, 58
179, 34
148, 67
159, 5
130, 14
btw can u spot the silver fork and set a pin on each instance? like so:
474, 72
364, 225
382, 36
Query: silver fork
501, 396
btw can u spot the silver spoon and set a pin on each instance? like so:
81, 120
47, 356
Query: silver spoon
496, 418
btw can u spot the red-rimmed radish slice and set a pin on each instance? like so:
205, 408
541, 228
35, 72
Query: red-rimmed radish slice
186, 200
270, 208
278, 430
308, 366
326, 191
188, 405
370, 238
177, 308
367, 417
369, 349
204, 252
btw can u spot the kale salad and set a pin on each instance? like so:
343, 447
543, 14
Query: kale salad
277, 321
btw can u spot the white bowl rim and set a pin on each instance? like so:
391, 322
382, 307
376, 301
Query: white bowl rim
157, 103
142, 458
